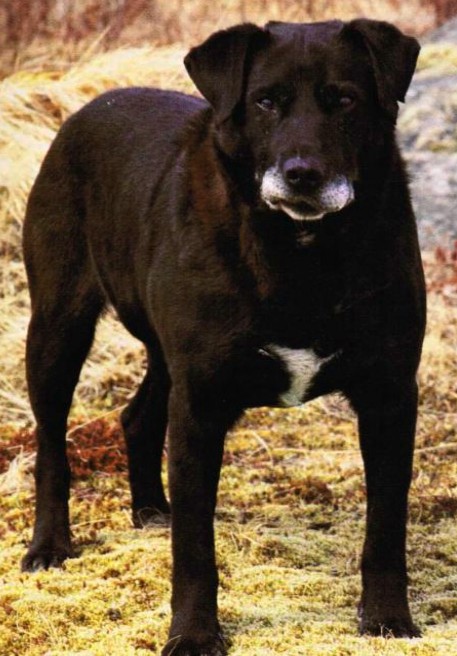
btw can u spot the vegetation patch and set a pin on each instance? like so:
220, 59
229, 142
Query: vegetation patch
289, 524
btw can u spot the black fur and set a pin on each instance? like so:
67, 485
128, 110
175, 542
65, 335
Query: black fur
151, 201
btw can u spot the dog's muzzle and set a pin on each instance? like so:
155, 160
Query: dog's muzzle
327, 196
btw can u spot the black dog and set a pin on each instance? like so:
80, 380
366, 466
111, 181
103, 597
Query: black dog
263, 248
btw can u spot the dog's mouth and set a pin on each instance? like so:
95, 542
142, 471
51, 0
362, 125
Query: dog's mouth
300, 210
332, 196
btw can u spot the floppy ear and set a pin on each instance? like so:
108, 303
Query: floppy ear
393, 57
217, 66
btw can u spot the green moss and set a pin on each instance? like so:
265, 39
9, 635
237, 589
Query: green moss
289, 536
438, 58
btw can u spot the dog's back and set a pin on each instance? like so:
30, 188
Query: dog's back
123, 134
106, 169
134, 131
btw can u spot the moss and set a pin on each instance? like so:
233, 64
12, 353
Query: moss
438, 58
289, 537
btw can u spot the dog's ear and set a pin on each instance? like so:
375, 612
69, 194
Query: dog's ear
393, 57
218, 66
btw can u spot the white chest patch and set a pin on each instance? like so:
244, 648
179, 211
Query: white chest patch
302, 366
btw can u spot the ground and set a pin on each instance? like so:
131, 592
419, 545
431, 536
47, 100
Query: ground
289, 523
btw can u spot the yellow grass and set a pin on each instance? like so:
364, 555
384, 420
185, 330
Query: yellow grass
439, 58
32, 107
170, 21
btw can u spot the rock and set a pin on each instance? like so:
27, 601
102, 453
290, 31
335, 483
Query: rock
428, 121
447, 33
434, 191
427, 132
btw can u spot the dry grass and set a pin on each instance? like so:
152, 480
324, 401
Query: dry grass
26, 25
32, 107
291, 502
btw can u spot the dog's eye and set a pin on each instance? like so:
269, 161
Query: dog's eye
333, 98
266, 103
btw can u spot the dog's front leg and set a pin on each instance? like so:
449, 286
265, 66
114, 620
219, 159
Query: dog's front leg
196, 440
387, 419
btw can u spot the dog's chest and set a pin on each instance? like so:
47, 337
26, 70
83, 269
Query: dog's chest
302, 367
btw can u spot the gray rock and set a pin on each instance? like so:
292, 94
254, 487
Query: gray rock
428, 120
427, 133
447, 33
433, 184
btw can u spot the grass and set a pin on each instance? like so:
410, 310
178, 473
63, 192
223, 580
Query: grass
25, 26
438, 59
291, 505
289, 524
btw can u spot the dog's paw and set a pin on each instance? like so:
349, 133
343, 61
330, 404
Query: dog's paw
182, 646
388, 627
39, 558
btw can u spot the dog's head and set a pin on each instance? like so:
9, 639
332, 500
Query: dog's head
303, 103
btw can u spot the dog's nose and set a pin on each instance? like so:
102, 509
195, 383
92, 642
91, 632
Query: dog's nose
303, 173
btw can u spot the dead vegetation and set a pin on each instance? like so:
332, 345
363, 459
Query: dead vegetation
31, 30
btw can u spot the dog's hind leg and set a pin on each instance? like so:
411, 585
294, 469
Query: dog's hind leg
66, 302
57, 344
144, 422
